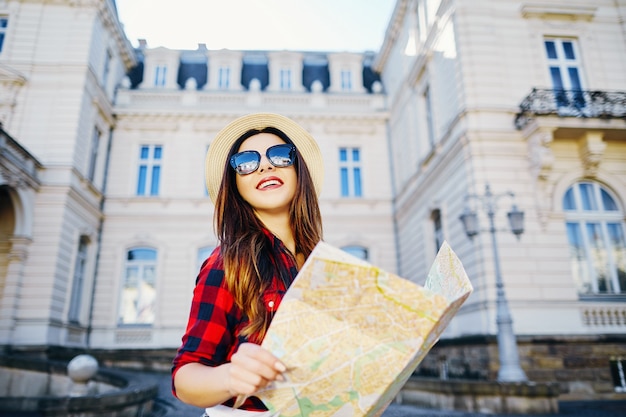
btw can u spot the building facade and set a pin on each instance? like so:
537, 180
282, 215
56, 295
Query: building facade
528, 99
105, 217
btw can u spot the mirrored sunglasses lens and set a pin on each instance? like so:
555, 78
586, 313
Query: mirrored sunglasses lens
281, 155
245, 162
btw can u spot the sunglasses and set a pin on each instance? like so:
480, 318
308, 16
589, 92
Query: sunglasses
247, 162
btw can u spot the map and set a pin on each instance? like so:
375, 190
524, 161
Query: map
351, 334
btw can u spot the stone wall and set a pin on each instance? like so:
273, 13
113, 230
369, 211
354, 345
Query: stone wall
33, 385
487, 397
580, 364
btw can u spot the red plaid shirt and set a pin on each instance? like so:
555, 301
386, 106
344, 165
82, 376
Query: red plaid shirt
215, 321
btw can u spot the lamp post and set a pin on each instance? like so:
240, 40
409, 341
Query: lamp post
510, 370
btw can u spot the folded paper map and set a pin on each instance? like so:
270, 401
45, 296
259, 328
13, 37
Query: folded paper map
351, 334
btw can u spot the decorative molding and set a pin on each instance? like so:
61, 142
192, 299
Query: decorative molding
18, 168
541, 161
133, 335
393, 30
591, 148
540, 155
19, 249
552, 11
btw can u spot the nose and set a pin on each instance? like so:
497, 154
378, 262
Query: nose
265, 164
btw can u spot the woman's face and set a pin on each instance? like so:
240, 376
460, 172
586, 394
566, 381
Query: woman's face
269, 189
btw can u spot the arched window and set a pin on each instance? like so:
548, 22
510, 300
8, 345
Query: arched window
139, 293
595, 231
358, 251
203, 254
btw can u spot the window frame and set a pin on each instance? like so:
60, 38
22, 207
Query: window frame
78, 280
223, 77
358, 251
4, 30
142, 266
106, 69
153, 166
569, 85
350, 172
160, 75
202, 255
285, 78
601, 259
438, 232
346, 80
96, 137
428, 115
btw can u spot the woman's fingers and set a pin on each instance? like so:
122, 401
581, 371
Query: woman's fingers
252, 368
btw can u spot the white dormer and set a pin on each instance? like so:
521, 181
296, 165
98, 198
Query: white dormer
285, 70
160, 68
346, 73
225, 70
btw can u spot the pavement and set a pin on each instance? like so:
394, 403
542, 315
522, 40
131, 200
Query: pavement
172, 407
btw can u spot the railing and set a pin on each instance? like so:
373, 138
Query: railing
571, 103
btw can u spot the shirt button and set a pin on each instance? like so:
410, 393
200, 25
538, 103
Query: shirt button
271, 304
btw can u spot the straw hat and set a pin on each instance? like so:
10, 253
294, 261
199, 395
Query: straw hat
217, 154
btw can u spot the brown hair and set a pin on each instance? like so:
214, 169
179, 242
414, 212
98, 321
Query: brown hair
249, 265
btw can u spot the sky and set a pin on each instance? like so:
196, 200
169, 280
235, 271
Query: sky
303, 25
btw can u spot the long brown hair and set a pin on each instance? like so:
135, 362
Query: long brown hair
247, 252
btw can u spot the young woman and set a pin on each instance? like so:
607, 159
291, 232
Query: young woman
263, 173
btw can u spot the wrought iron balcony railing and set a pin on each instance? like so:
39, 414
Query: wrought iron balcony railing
571, 103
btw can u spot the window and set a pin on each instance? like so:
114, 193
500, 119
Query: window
428, 108
203, 254
350, 172
223, 78
438, 229
93, 158
78, 280
4, 22
358, 251
618, 372
346, 80
285, 79
138, 291
564, 64
107, 69
149, 170
160, 73
422, 21
595, 231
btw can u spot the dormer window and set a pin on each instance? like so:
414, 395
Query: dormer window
223, 81
285, 79
346, 80
160, 73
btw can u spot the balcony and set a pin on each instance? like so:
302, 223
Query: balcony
571, 103
18, 167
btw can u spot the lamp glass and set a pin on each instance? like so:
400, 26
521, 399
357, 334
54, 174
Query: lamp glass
516, 220
470, 222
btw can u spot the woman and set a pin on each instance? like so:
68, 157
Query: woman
264, 173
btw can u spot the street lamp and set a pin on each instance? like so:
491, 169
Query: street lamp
510, 370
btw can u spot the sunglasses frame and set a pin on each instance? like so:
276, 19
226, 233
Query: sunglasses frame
292, 153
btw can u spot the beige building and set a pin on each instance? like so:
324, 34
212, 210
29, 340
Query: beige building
528, 98
105, 219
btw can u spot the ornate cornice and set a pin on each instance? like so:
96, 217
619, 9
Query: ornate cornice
393, 30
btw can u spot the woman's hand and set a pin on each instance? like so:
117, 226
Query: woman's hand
252, 368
